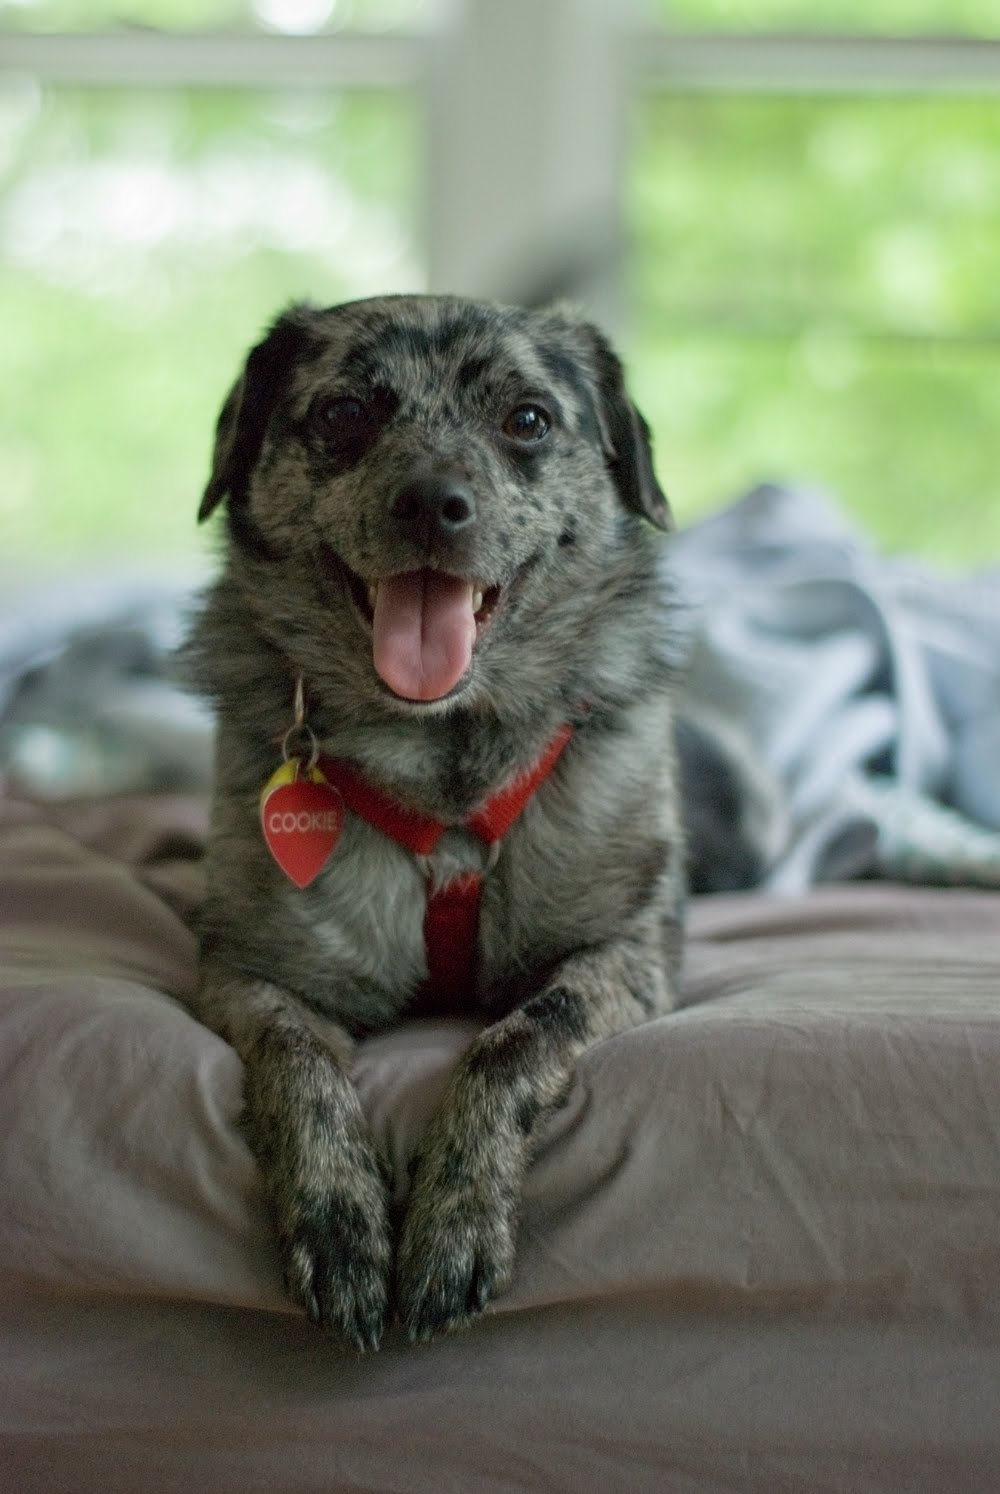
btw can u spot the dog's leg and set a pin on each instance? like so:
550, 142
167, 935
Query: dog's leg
324, 1180
457, 1247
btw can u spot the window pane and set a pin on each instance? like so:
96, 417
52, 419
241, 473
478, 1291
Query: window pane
893, 17
816, 298
144, 241
293, 16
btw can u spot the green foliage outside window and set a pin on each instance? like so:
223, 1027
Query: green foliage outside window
819, 301
888, 17
302, 16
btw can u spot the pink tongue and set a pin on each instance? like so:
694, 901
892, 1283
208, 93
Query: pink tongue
424, 632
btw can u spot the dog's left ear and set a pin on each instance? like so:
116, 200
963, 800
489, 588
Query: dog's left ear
626, 437
242, 423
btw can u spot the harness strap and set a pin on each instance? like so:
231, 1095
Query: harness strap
451, 918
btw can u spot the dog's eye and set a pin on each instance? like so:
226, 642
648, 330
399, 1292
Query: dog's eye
527, 423
340, 418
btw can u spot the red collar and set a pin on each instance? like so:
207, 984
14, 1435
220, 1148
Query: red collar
451, 919
418, 832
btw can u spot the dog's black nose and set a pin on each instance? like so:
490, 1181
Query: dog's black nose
439, 506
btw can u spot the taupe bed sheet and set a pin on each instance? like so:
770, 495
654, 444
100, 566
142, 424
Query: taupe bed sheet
760, 1247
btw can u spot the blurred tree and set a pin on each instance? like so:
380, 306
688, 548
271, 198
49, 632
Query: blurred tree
885, 17
819, 302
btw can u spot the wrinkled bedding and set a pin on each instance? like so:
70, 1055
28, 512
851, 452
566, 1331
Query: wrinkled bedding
759, 1251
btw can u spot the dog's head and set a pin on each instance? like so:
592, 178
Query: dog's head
448, 473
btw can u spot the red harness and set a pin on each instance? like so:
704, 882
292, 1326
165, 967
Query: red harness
451, 919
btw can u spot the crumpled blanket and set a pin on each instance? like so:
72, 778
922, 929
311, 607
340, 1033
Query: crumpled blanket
91, 701
868, 688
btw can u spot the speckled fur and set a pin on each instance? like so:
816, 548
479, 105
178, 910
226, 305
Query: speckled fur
579, 934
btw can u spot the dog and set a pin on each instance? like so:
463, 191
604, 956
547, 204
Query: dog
437, 645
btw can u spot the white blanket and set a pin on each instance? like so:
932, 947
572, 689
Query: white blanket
870, 686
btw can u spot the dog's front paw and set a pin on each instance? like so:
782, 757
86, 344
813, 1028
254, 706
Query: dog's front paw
456, 1251
337, 1258
327, 1187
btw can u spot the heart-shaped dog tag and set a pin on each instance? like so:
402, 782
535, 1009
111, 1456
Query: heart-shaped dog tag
301, 818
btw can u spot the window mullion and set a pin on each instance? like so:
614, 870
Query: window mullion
216, 59
787, 63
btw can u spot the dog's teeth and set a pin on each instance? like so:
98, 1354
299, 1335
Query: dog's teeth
372, 594
477, 600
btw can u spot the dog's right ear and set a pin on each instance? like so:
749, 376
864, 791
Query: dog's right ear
242, 423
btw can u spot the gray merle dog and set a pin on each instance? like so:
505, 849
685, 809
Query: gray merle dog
440, 606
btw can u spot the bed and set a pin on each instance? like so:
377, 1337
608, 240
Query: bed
760, 1247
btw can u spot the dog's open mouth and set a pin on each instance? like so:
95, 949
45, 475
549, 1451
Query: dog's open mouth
425, 626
